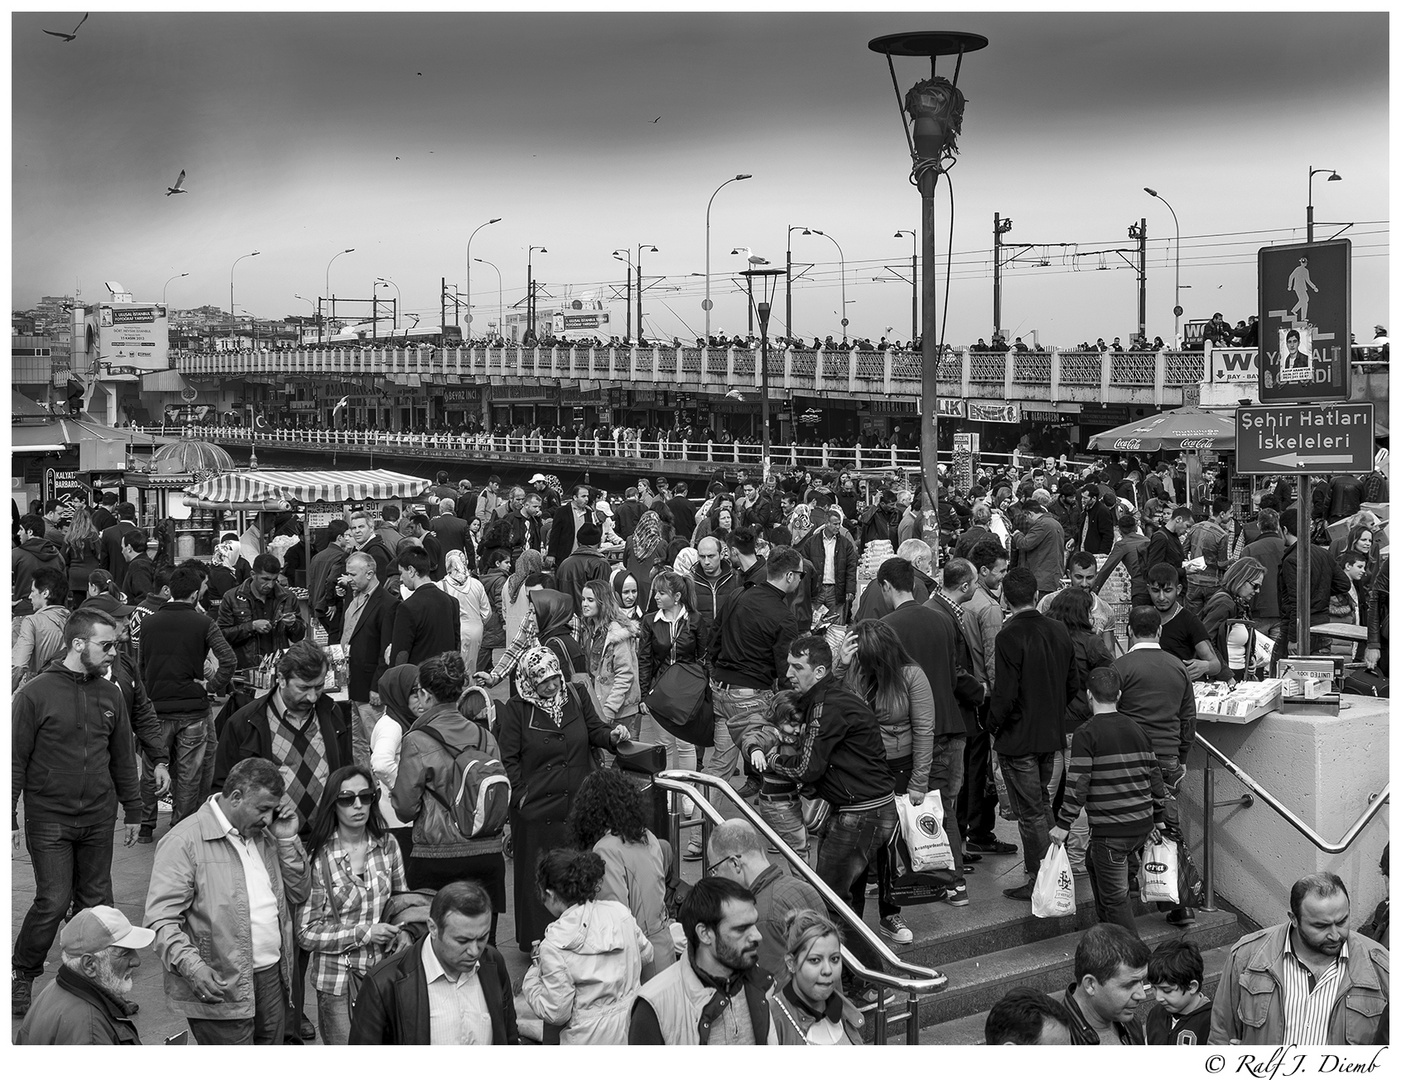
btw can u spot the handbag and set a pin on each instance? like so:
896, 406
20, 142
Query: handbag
680, 701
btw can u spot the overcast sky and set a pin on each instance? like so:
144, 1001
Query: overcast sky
397, 135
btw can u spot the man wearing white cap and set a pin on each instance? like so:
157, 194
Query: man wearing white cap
86, 1004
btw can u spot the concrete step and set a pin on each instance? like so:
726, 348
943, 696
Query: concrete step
968, 1030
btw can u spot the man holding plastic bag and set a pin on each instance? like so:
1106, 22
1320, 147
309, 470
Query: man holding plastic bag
1114, 775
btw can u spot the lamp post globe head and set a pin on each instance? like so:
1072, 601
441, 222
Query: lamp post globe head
1335, 176
745, 176
1151, 192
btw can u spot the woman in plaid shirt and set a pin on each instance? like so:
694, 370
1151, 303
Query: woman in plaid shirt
355, 866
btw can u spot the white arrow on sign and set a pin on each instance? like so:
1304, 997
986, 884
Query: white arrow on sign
1294, 461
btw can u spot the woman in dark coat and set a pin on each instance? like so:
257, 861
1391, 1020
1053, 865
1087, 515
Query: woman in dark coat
548, 730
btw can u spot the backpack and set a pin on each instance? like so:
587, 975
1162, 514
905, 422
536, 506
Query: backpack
481, 792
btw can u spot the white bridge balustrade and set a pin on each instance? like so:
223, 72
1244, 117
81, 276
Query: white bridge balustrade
1139, 378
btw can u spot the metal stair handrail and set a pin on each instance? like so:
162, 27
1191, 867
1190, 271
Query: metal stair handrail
917, 980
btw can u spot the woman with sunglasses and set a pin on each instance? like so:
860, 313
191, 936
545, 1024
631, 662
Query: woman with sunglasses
355, 867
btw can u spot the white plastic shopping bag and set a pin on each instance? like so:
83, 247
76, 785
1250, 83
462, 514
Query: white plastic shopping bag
1053, 895
1157, 872
922, 828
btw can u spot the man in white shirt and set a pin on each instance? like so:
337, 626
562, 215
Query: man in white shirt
451, 989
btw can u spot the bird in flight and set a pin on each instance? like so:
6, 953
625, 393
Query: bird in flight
177, 189
654, 121
68, 37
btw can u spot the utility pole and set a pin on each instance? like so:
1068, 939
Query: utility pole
1139, 232
442, 303
1000, 225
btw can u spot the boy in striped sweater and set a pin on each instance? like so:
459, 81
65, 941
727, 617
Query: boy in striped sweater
1114, 775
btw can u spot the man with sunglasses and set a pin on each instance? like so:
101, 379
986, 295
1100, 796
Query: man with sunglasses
73, 759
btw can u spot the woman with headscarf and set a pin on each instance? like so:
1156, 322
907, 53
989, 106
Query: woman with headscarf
627, 594
395, 694
473, 605
643, 556
514, 597
548, 730
686, 561
800, 524
547, 622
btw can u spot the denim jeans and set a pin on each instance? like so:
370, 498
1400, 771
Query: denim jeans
1110, 861
185, 737
1028, 776
977, 800
784, 815
267, 1025
844, 859
946, 777
363, 717
333, 1018
1173, 775
736, 708
72, 865
894, 857
211, 753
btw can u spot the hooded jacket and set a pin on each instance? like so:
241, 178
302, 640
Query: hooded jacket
34, 554
39, 641
426, 765
72, 755
615, 679
588, 973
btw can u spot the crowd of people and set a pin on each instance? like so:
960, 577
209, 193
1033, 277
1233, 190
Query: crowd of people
498, 645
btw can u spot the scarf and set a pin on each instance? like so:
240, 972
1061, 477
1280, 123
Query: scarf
687, 559
394, 687
457, 567
647, 537
529, 562
538, 665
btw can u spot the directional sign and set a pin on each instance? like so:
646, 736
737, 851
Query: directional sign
1305, 302
1324, 438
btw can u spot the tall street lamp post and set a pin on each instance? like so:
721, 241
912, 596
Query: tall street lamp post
639, 287
530, 292
842, 257
1176, 271
1312, 172
167, 285
301, 336
914, 280
706, 304
935, 120
500, 328
788, 282
624, 255
768, 283
398, 300
327, 293
478, 229
232, 325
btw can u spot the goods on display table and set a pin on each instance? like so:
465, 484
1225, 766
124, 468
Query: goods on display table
1247, 701
877, 551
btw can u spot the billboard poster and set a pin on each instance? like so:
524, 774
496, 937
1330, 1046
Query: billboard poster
1305, 305
126, 339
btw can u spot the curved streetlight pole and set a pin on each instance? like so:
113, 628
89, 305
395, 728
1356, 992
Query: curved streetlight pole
649, 247
914, 279
788, 282
398, 299
499, 307
624, 255
327, 294
301, 338
232, 324
167, 284
841, 256
707, 305
478, 229
1176, 272
1312, 172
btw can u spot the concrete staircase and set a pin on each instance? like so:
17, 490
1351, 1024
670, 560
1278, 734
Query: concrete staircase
995, 944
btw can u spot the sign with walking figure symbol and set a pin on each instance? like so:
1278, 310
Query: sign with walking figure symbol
1305, 305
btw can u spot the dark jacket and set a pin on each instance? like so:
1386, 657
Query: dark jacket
392, 1009
967, 690
562, 538
145, 724
1036, 680
74, 1011
1165, 547
844, 558
656, 648
1157, 692
1326, 578
110, 548
426, 624
324, 570
1269, 551
928, 635
241, 607
34, 554
71, 750
546, 764
873, 605
1098, 533
247, 734
140, 579
1090, 653
630, 512
374, 634
1081, 1034
422, 789
174, 642
578, 569
454, 535
683, 515
711, 593
224, 579
756, 627
841, 753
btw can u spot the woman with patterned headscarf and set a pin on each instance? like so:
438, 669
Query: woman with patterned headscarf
645, 553
800, 524
473, 605
548, 730
514, 599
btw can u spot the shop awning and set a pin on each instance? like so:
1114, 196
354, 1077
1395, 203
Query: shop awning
1187, 428
262, 485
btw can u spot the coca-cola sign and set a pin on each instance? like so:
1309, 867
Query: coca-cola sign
1198, 444
1128, 444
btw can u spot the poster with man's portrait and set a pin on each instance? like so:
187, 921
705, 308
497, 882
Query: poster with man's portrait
1295, 363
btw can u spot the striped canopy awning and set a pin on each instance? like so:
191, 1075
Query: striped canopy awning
264, 485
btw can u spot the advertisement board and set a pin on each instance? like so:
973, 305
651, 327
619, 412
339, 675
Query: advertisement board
1305, 306
124, 340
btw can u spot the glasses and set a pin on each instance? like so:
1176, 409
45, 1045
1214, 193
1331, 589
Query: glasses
800, 573
715, 867
105, 646
356, 798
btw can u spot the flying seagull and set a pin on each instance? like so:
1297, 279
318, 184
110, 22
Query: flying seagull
654, 121
754, 260
735, 394
68, 37
177, 189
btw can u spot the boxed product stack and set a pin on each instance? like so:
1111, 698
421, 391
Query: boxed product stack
877, 551
1117, 593
1247, 701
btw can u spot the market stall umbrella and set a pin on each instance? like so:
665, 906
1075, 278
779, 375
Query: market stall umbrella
191, 456
264, 485
1188, 428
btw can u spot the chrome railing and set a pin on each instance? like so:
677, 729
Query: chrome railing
907, 978
1209, 805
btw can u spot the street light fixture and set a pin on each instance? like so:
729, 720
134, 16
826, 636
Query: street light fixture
768, 282
167, 283
529, 337
398, 300
842, 256
706, 304
1313, 171
625, 255
478, 229
1176, 272
788, 281
327, 294
639, 288
232, 324
914, 280
499, 307
935, 120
